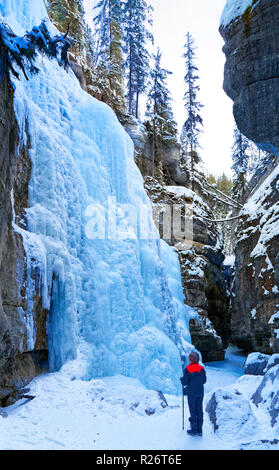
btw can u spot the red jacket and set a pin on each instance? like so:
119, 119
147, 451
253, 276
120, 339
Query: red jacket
194, 379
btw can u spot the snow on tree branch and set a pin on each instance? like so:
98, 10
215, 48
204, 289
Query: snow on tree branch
22, 52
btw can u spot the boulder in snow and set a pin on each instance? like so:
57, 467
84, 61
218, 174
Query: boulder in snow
230, 414
129, 395
267, 395
3, 413
256, 363
272, 362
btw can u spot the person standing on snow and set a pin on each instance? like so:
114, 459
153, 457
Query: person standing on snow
193, 380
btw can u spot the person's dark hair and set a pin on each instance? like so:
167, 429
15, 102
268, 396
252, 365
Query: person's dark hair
194, 357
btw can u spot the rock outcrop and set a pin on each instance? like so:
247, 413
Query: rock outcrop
256, 363
267, 395
18, 365
252, 71
200, 253
230, 414
255, 293
165, 166
252, 82
168, 184
236, 411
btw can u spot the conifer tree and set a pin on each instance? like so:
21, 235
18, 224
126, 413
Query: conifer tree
240, 157
222, 182
194, 122
256, 158
69, 14
184, 143
109, 70
136, 38
159, 113
20, 53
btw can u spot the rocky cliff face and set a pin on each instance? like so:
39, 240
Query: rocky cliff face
252, 81
17, 365
201, 258
252, 71
168, 184
166, 166
255, 297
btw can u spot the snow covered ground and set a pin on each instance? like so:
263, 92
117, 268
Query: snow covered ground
117, 413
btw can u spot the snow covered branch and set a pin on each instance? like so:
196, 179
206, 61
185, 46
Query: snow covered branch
21, 52
224, 220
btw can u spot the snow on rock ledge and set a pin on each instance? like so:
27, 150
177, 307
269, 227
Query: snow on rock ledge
230, 414
272, 362
267, 395
234, 9
256, 363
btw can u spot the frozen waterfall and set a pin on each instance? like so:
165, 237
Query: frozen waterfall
116, 305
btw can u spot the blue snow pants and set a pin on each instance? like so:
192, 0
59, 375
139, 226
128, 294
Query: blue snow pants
195, 404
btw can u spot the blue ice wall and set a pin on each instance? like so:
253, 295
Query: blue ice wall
116, 304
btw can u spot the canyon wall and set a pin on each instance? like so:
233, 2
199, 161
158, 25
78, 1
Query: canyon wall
252, 82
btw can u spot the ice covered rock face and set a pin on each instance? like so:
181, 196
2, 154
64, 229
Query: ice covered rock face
16, 365
230, 414
267, 395
116, 306
252, 67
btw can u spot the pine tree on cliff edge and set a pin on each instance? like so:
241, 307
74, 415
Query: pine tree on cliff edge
240, 158
248, 159
69, 14
160, 119
109, 69
136, 39
194, 122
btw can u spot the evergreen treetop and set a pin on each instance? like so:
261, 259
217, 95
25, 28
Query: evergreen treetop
240, 158
240, 153
221, 182
159, 110
109, 70
136, 38
69, 14
194, 122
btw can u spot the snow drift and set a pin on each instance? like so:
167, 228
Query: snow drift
116, 306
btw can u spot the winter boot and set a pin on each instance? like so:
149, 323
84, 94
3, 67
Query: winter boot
199, 428
191, 432
194, 427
